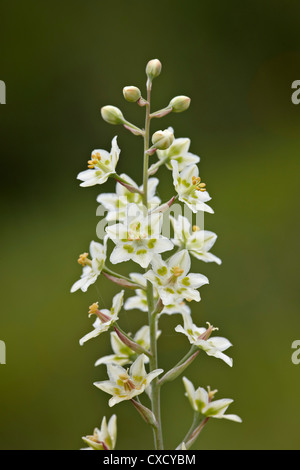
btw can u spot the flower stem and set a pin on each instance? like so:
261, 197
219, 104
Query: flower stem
155, 389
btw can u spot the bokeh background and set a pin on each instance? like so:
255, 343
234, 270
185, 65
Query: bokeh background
61, 62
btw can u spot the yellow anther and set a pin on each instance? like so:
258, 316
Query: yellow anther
211, 393
96, 157
93, 308
82, 259
196, 181
196, 228
177, 271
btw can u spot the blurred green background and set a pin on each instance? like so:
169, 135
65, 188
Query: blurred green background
61, 62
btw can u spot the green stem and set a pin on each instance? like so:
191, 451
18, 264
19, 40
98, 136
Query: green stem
155, 389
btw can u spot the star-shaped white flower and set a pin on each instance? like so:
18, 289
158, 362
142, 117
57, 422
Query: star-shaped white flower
202, 402
197, 242
101, 166
91, 268
179, 151
189, 188
171, 278
200, 337
116, 203
105, 318
138, 237
123, 354
139, 301
104, 438
126, 384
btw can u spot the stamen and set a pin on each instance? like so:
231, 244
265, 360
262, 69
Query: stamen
196, 228
196, 181
93, 308
96, 157
82, 259
211, 393
177, 271
127, 383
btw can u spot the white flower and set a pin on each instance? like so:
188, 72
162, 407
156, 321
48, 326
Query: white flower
201, 401
189, 188
124, 384
91, 271
101, 165
106, 318
105, 438
123, 354
138, 238
116, 203
200, 337
197, 242
171, 278
179, 151
139, 301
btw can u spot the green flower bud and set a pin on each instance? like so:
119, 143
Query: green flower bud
112, 115
131, 93
180, 103
162, 139
153, 68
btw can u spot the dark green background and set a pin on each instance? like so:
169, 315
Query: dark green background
61, 62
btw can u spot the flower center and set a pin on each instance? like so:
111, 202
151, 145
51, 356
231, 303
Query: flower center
197, 184
126, 382
96, 157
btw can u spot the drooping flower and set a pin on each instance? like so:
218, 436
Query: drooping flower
171, 278
179, 151
138, 237
189, 188
104, 438
91, 268
116, 203
101, 166
197, 242
105, 318
202, 402
123, 354
200, 337
126, 384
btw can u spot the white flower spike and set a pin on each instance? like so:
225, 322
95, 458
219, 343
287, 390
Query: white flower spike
172, 281
197, 242
202, 402
138, 237
103, 438
105, 318
127, 384
91, 268
101, 166
189, 188
200, 337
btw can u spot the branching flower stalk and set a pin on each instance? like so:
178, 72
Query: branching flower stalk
165, 286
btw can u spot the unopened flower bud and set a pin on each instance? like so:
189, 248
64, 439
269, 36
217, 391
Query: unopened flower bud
162, 139
180, 103
131, 93
153, 68
112, 115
